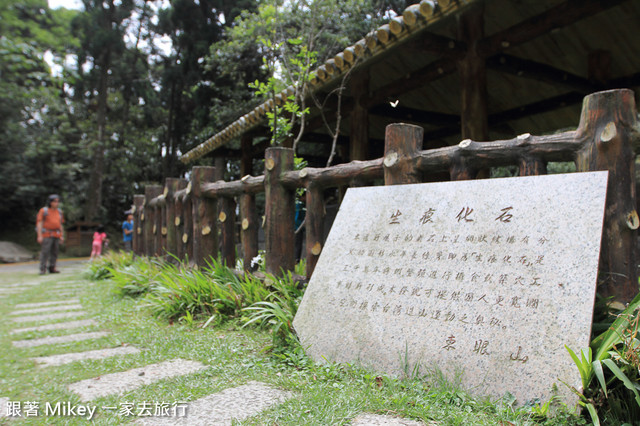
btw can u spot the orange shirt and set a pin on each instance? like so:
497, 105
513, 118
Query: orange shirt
52, 225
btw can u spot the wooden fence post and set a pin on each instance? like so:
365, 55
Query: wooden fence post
170, 191
187, 230
227, 218
138, 202
178, 219
148, 217
606, 126
249, 229
162, 226
205, 241
279, 212
314, 226
402, 143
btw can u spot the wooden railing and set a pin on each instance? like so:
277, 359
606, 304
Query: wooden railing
185, 217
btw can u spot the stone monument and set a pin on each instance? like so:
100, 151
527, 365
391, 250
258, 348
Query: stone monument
487, 278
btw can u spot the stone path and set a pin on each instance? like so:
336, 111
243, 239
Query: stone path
221, 408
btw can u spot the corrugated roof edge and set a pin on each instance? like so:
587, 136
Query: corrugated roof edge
413, 19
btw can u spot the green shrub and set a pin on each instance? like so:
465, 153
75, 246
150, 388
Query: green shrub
614, 359
137, 278
102, 267
213, 292
277, 311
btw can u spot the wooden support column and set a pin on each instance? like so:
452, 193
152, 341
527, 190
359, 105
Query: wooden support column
279, 212
473, 75
359, 118
246, 162
402, 144
148, 218
227, 219
178, 220
249, 229
137, 243
314, 226
205, 236
606, 127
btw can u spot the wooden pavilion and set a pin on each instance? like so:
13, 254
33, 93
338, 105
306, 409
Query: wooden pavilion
465, 69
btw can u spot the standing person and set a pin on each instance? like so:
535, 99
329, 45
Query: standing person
127, 232
99, 237
50, 233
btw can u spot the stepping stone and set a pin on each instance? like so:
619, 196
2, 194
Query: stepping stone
47, 309
20, 285
118, 383
59, 339
3, 407
223, 407
51, 303
57, 326
54, 360
34, 318
380, 420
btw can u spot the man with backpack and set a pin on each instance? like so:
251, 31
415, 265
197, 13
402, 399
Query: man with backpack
50, 233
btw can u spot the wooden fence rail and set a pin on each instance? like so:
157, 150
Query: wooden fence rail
186, 218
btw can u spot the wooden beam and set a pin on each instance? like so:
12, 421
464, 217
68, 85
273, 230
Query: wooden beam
417, 116
359, 117
563, 15
412, 81
473, 75
538, 107
533, 70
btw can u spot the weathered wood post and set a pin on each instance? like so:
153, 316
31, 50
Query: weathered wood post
157, 223
147, 218
249, 229
170, 190
279, 212
606, 127
187, 230
138, 202
162, 226
459, 168
529, 165
179, 217
205, 236
314, 225
227, 219
402, 144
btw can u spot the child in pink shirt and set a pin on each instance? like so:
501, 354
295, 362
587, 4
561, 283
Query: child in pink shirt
98, 238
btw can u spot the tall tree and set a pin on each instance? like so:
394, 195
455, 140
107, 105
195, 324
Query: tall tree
193, 92
101, 30
32, 106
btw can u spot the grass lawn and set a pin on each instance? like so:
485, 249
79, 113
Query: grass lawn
322, 394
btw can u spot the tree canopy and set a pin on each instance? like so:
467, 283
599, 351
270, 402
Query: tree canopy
95, 103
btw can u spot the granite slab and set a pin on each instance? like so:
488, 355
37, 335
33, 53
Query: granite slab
486, 280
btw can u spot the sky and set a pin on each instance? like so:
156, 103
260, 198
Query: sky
69, 4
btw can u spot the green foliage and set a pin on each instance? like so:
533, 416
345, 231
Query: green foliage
215, 292
613, 358
277, 310
110, 264
137, 278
